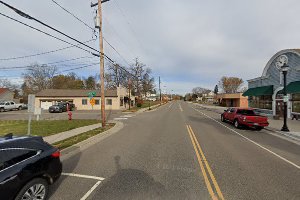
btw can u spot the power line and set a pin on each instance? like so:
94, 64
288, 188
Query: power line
116, 51
43, 53
56, 62
80, 67
74, 15
45, 32
23, 14
91, 29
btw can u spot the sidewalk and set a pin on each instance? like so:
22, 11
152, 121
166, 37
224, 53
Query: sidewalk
67, 134
275, 125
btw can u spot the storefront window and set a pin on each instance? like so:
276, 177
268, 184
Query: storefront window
296, 103
262, 102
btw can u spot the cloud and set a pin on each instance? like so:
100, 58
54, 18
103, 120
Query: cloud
187, 43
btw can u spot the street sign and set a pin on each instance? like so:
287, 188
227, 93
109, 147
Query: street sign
285, 99
91, 94
92, 101
31, 102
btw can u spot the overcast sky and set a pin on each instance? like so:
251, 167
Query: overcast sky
188, 43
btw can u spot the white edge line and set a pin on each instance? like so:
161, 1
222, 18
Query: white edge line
90, 191
83, 176
264, 148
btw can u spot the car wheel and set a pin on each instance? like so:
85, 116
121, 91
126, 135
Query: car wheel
259, 128
20, 108
60, 110
1, 109
35, 189
236, 123
222, 118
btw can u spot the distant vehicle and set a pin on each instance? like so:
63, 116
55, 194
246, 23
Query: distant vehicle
244, 117
10, 105
61, 107
28, 165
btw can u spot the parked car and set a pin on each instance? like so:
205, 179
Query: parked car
10, 105
244, 117
28, 165
61, 107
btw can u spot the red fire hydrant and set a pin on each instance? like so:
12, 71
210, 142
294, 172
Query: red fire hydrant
70, 115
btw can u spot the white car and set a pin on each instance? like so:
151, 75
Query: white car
10, 105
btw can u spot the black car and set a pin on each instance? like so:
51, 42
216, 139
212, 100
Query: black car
28, 165
61, 107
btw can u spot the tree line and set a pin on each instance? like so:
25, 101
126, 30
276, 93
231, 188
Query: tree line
138, 77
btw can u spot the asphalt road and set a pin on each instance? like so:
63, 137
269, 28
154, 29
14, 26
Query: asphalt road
181, 151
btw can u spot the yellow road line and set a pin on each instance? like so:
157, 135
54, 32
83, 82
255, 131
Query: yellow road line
208, 167
208, 185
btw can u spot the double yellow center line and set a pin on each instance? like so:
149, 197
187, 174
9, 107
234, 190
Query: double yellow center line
201, 159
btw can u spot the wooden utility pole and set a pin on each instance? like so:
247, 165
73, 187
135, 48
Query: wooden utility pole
103, 117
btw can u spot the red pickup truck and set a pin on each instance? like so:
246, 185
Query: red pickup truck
244, 117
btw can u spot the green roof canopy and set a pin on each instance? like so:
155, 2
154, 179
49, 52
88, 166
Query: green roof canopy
259, 91
293, 87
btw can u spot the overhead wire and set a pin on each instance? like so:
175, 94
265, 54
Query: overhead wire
42, 53
91, 29
32, 18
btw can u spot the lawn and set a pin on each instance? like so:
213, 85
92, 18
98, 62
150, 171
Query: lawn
83, 136
42, 127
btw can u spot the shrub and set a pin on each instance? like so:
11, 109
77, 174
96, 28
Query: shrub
139, 105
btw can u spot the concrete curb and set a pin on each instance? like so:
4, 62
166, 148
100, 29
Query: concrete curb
76, 148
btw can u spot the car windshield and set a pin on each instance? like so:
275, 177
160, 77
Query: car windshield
152, 99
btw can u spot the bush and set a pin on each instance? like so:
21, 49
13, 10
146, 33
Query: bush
139, 105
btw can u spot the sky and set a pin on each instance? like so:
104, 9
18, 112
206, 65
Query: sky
187, 43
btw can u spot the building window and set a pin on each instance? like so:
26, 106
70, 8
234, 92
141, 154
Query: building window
109, 102
296, 103
84, 101
262, 102
97, 102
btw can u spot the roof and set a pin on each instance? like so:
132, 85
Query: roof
3, 90
73, 93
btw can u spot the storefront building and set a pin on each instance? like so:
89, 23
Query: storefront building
266, 92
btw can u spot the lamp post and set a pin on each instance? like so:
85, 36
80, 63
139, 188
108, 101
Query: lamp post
284, 70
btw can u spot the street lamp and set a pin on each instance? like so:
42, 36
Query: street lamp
282, 62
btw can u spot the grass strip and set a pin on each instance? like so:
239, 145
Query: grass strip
42, 127
81, 137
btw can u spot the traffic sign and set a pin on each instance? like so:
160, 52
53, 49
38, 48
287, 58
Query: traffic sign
92, 101
91, 94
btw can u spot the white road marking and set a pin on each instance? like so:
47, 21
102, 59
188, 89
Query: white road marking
83, 176
90, 191
180, 107
128, 116
264, 148
120, 118
170, 105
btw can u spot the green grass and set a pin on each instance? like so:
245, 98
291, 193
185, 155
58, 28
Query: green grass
81, 137
42, 127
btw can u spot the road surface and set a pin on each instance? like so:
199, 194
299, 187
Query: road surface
181, 151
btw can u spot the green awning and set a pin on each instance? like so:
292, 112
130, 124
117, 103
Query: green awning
293, 87
259, 91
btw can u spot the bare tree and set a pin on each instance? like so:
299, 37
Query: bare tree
230, 84
199, 91
38, 77
117, 76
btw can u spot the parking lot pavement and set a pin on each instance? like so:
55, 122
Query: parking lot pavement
79, 186
82, 114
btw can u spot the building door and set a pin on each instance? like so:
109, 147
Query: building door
279, 108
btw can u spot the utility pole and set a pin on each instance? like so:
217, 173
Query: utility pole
103, 117
159, 91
